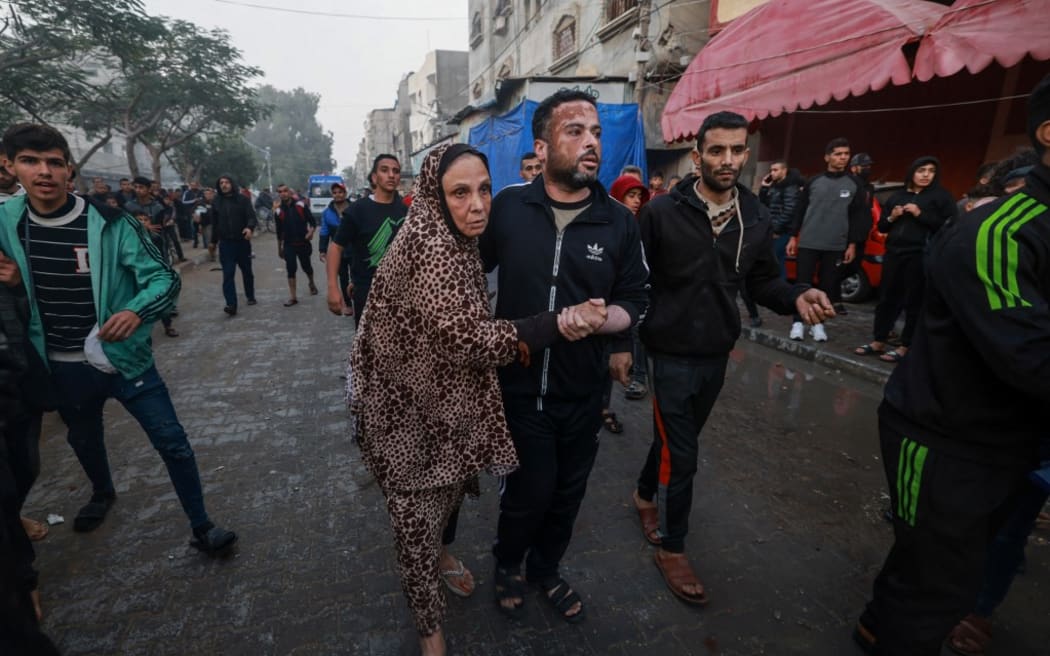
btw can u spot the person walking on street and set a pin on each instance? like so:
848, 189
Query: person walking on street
832, 217
295, 231
963, 416
367, 228
95, 284
423, 388
330, 219
559, 242
232, 230
632, 192
909, 219
693, 323
264, 206
191, 199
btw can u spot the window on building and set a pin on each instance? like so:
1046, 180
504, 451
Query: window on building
476, 36
564, 37
503, 8
616, 8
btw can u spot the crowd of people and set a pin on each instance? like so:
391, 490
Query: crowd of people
490, 328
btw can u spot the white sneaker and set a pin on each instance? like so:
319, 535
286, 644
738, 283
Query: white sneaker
817, 331
798, 331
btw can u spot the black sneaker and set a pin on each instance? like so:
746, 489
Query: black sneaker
94, 512
252, 301
211, 539
230, 310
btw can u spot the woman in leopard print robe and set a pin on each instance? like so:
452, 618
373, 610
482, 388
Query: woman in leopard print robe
423, 393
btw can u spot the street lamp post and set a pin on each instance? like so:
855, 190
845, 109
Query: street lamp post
266, 156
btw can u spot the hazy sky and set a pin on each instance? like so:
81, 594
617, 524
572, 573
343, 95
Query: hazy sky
355, 64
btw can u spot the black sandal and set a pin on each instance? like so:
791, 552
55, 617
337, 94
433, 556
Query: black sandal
562, 597
867, 349
612, 424
509, 585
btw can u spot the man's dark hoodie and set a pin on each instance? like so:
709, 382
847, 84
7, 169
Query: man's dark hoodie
694, 276
909, 233
233, 213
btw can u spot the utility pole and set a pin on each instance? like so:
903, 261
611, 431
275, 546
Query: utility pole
643, 52
266, 157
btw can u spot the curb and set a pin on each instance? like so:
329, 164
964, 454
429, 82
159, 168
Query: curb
821, 356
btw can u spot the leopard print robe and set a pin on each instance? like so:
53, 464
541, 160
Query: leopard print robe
424, 392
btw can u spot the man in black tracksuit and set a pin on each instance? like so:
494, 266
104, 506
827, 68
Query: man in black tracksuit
558, 241
233, 228
693, 322
963, 414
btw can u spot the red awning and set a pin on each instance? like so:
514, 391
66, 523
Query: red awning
791, 54
974, 33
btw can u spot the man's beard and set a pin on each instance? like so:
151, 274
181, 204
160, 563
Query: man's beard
713, 183
571, 176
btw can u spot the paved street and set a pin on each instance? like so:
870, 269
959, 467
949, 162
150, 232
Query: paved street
786, 528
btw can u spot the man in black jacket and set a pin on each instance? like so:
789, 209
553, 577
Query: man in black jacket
232, 231
559, 241
693, 322
779, 193
962, 416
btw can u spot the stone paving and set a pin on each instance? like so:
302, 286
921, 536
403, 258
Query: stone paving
786, 527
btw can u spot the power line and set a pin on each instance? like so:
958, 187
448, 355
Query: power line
331, 14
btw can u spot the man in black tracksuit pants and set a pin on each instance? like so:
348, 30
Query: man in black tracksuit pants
693, 322
963, 414
558, 241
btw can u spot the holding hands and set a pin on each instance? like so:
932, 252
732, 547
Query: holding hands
578, 321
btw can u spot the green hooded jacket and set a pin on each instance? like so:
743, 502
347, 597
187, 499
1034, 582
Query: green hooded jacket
127, 273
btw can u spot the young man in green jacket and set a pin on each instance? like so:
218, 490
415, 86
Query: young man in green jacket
95, 284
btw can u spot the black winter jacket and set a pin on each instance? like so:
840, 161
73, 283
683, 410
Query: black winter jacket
976, 382
598, 255
909, 233
694, 276
233, 213
14, 345
782, 200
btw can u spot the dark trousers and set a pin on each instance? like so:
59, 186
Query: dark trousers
83, 391
344, 280
1006, 553
752, 308
809, 261
946, 512
639, 359
19, 468
359, 298
234, 254
19, 633
172, 236
684, 392
780, 249
301, 252
903, 286
540, 500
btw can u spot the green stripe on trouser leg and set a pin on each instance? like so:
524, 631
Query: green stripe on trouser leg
909, 478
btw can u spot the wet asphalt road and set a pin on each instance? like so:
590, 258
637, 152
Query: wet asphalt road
786, 530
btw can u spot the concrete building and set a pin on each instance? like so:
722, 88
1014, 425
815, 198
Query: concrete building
436, 92
402, 128
634, 49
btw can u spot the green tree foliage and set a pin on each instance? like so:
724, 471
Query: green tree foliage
205, 159
299, 146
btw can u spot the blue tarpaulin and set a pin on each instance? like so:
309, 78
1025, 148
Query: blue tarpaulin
504, 139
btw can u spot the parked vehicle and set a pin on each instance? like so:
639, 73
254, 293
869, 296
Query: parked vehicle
319, 191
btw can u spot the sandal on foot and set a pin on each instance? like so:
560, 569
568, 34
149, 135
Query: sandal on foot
893, 356
677, 574
211, 539
868, 349
562, 597
650, 518
509, 584
93, 514
35, 531
460, 573
611, 423
971, 636
290, 302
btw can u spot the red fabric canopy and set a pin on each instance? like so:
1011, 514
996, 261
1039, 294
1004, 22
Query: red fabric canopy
791, 54
974, 33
